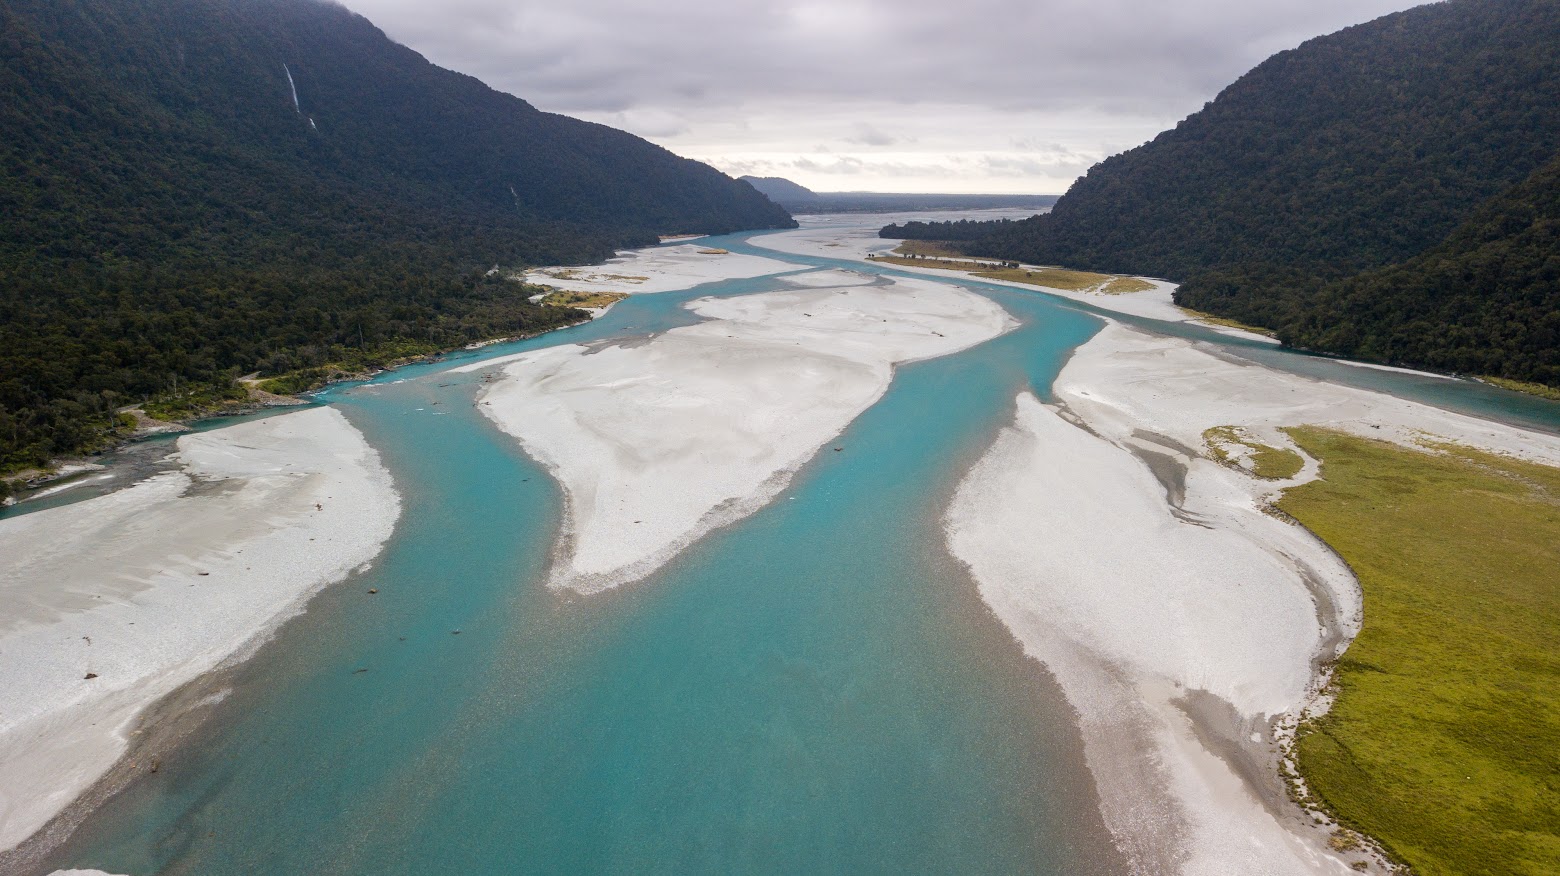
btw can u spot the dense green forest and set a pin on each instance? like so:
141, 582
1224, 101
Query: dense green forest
1282, 202
193, 189
960, 230
1486, 301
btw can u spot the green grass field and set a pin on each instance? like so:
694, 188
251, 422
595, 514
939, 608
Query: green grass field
1228, 323
940, 248
582, 299
1051, 278
1272, 463
1444, 742
1538, 389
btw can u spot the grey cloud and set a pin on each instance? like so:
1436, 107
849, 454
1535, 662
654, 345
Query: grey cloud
1023, 72
1126, 55
845, 164
1042, 167
867, 135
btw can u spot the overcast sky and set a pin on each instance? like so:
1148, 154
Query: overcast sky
871, 95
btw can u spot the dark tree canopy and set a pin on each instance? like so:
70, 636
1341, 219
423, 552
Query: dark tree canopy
960, 230
169, 214
1486, 301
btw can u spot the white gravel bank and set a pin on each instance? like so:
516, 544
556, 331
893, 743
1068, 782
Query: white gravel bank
1183, 623
659, 269
657, 441
148, 587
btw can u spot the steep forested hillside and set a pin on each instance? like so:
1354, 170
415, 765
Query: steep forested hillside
781, 190
1353, 152
1486, 301
191, 189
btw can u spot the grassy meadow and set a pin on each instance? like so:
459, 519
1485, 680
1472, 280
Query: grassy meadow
1210, 319
1234, 447
582, 299
932, 255
1537, 389
1444, 741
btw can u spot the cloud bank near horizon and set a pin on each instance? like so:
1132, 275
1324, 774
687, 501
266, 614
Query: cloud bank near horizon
984, 95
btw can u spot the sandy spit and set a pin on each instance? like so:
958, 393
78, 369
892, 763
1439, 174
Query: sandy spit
1185, 625
659, 440
658, 269
113, 602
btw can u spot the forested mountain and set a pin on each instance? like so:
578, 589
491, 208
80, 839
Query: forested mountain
191, 189
781, 190
1351, 153
1486, 301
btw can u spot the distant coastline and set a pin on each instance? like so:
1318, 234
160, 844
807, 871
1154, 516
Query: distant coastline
802, 201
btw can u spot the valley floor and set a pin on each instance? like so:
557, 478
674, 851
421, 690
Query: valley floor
1121, 525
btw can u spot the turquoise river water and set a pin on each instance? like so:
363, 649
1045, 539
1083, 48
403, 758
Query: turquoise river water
816, 689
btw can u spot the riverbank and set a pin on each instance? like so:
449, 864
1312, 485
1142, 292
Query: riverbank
116, 601
659, 440
1188, 627
254, 395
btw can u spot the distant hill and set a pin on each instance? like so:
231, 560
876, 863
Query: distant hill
290, 106
195, 188
1353, 152
781, 190
799, 199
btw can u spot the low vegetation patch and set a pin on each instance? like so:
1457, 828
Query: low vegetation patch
582, 299
352, 365
938, 262
1442, 741
198, 400
585, 274
1210, 319
1538, 389
1050, 278
1072, 281
1233, 447
935, 248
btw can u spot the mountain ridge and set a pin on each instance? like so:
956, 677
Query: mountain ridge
1352, 149
195, 189
1351, 153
